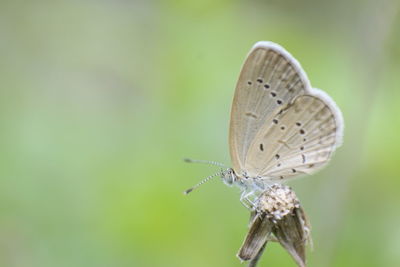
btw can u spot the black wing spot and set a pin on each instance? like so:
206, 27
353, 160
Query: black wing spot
249, 83
298, 123
279, 102
259, 80
273, 94
293, 170
250, 114
302, 131
261, 147
266, 86
278, 165
277, 156
275, 121
304, 139
282, 128
281, 178
302, 148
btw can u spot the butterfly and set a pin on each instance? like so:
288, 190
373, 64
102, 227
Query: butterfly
280, 127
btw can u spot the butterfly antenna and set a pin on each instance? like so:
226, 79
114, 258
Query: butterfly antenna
209, 162
201, 182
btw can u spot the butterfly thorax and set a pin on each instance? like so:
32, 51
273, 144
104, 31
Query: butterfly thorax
243, 181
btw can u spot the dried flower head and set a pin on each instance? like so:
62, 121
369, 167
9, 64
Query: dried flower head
278, 217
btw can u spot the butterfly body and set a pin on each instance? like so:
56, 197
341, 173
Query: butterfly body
250, 187
244, 182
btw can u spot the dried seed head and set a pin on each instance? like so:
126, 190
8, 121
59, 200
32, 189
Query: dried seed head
278, 201
278, 217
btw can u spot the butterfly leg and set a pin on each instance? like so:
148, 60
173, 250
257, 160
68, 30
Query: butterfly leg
246, 201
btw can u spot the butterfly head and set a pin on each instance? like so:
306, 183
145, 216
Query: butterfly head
229, 176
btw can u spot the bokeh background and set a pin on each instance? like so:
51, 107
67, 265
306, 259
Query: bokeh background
101, 100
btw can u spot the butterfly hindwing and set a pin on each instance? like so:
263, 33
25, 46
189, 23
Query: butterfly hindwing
299, 139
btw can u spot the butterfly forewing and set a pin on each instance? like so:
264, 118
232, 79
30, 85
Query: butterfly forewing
270, 79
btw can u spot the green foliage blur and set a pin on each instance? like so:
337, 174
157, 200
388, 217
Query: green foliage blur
101, 100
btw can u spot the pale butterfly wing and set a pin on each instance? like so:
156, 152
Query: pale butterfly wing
269, 79
300, 139
280, 126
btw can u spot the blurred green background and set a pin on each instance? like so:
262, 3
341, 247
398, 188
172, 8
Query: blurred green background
101, 100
